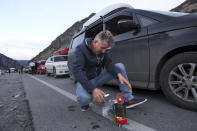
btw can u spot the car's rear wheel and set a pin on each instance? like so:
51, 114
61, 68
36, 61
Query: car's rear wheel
178, 80
47, 73
54, 73
40, 72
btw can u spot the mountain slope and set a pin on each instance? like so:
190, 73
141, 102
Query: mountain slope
189, 6
62, 41
6, 62
23, 62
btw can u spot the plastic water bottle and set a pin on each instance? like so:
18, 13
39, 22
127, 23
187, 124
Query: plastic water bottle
108, 107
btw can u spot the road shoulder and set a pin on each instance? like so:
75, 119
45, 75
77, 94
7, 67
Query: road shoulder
14, 108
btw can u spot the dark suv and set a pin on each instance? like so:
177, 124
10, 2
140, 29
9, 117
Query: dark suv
159, 50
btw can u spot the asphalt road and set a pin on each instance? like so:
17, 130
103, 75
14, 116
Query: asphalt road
54, 108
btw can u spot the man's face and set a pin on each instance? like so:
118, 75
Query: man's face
99, 48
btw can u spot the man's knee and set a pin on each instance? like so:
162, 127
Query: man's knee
120, 66
84, 99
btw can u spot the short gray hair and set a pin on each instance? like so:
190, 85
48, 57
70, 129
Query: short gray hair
105, 36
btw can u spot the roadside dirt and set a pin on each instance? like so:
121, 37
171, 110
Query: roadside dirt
15, 114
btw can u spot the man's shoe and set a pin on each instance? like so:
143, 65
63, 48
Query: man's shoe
85, 108
134, 102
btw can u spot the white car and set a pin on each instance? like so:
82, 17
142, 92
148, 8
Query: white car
57, 65
2, 72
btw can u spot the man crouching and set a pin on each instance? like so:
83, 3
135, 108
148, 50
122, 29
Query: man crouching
92, 67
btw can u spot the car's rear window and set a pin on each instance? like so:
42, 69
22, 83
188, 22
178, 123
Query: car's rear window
60, 58
43, 62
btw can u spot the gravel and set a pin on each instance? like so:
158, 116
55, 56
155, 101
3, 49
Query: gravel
15, 114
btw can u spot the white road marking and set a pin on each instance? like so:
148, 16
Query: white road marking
131, 125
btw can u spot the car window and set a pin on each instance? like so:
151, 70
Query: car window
49, 59
60, 58
145, 21
77, 40
42, 63
93, 31
112, 25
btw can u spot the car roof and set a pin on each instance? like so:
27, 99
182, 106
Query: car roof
105, 12
41, 60
152, 14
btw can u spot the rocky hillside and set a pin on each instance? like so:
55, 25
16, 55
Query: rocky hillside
6, 62
23, 62
63, 40
189, 6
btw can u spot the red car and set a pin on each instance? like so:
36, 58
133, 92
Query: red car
62, 51
41, 67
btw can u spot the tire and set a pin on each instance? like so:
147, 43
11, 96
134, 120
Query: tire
54, 73
48, 74
178, 80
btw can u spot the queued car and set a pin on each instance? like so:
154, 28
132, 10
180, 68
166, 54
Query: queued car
12, 70
158, 49
41, 67
26, 69
62, 51
1, 72
57, 65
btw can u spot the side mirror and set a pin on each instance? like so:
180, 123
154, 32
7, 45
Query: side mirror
126, 25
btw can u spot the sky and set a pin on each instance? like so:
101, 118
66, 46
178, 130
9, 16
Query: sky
27, 27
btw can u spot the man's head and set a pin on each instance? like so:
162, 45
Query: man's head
102, 41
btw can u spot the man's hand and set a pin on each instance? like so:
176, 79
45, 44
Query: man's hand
124, 81
98, 95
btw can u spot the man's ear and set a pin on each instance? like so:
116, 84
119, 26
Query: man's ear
94, 42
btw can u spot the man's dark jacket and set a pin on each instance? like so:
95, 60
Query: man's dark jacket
87, 65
